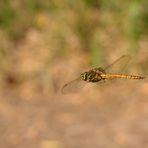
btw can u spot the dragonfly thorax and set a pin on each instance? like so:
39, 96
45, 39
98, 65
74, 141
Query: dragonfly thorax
91, 76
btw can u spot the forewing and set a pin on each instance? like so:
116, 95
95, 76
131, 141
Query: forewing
119, 65
73, 86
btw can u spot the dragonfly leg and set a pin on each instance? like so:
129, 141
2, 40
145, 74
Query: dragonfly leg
104, 80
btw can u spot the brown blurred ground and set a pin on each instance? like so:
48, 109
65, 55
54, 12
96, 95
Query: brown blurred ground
55, 50
34, 113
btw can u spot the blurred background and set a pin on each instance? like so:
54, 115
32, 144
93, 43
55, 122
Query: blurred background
45, 44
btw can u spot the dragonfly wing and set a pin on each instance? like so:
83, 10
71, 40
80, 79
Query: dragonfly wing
73, 86
118, 65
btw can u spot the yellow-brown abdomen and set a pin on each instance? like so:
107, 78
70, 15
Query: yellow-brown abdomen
124, 76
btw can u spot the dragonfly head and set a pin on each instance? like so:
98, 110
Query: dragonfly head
84, 76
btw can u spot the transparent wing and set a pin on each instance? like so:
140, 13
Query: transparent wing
73, 86
118, 65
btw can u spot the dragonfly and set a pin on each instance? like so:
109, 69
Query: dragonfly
98, 74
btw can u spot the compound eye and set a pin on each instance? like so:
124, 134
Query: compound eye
84, 76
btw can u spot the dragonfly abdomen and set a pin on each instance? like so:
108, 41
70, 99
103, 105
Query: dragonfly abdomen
124, 76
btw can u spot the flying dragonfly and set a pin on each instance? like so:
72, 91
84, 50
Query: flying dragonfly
113, 71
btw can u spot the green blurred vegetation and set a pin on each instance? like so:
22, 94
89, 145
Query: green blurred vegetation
130, 17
